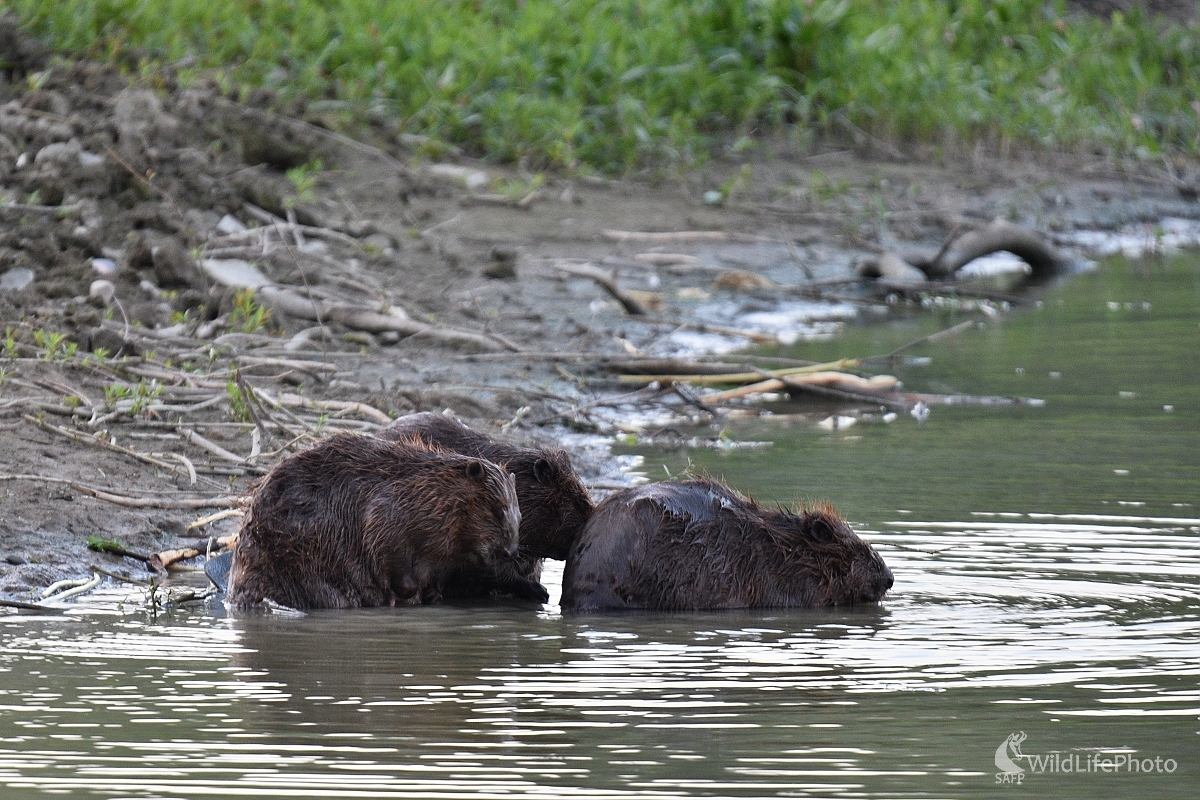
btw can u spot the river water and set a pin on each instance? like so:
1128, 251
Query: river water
1047, 563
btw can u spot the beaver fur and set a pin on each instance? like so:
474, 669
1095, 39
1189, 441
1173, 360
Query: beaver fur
554, 503
356, 521
697, 544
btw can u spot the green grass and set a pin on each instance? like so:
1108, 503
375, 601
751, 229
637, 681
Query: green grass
619, 85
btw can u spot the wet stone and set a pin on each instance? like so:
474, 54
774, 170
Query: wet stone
16, 279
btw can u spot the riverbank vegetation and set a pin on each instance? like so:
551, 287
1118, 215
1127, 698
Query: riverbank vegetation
618, 85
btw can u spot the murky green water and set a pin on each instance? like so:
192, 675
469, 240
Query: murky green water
1047, 566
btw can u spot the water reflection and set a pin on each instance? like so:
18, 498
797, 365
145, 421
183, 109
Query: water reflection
1084, 634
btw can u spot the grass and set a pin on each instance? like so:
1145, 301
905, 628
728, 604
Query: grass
619, 85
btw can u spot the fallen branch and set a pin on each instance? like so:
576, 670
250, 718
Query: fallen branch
669, 237
607, 281
296, 401
841, 382
113, 548
961, 248
29, 606
1026, 244
933, 337
98, 441
160, 562
118, 576
217, 517
212, 447
131, 502
86, 586
705, 379
369, 320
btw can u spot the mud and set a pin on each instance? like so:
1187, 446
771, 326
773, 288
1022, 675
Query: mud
145, 183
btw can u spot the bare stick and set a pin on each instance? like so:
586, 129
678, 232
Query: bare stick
119, 577
933, 337
217, 517
741, 377
670, 237
222, 501
29, 606
160, 562
296, 401
212, 447
101, 442
607, 281
86, 586
799, 263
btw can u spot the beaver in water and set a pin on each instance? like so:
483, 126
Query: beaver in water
697, 544
356, 521
554, 504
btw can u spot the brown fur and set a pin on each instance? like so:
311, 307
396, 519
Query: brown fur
554, 503
697, 544
356, 521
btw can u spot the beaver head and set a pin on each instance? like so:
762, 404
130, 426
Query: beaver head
498, 485
554, 503
840, 568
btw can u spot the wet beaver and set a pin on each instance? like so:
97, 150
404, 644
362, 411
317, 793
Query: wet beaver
356, 521
697, 544
554, 504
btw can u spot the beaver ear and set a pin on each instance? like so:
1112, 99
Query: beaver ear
820, 530
474, 469
543, 471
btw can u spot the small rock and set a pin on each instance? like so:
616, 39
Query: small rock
738, 280
103, 266
234, 272
472, 180
16, 560
500, 271
113, 342
393, 337
59, 153
360, 337
102, 290
379, 242
174, 268
504, 263
231, 224
16, 279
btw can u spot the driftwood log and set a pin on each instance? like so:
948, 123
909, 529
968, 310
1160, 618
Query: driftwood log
963, 247
370, 320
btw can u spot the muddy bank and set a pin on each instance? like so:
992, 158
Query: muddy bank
191, 288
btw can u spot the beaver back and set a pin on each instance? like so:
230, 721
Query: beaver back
356, 521
698, 544
554, 503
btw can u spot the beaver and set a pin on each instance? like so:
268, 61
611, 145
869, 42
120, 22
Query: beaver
554, 504
356, 521
697, 544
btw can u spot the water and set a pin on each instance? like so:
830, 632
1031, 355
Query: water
1047, 566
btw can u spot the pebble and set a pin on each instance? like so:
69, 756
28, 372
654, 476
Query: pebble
231, 224
234, 272
102, 290
16, 279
